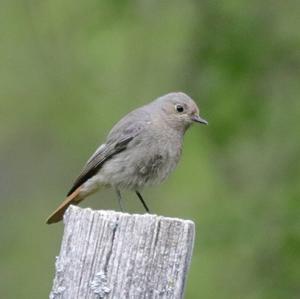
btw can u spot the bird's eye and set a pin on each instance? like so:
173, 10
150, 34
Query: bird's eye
179, 108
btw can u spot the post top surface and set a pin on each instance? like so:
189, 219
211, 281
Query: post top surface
75, 209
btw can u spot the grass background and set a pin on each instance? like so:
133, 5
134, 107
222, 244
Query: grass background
69, 70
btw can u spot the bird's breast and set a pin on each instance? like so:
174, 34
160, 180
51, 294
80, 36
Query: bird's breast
148, 160
160, 157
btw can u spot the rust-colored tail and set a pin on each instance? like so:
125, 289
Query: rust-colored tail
74, 198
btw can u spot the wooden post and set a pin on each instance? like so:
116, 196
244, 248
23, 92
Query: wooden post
108, 254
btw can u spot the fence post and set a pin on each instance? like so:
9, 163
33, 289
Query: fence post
108, 254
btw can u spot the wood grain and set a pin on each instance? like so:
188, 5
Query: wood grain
108, 254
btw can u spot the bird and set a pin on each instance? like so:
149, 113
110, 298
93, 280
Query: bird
141, 150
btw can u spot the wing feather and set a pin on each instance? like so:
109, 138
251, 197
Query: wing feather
118, 139
96, 162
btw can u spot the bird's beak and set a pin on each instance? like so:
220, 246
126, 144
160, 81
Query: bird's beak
198, 119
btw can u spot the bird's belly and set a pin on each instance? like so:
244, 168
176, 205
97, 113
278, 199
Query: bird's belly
139, 169
154, 170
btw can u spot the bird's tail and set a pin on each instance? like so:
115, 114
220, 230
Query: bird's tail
74, 198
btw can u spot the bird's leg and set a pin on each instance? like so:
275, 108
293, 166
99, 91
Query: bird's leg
119, 199
142, 200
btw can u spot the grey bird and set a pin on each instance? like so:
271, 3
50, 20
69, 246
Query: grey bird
142, 149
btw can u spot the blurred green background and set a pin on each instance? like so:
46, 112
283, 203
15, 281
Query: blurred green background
69, 70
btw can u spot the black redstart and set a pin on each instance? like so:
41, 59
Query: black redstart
142, 149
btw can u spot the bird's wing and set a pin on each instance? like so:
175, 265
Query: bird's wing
117, 141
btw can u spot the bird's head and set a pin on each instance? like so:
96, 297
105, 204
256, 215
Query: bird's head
180, 110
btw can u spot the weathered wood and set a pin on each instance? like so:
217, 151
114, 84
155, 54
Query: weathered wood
108, 254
